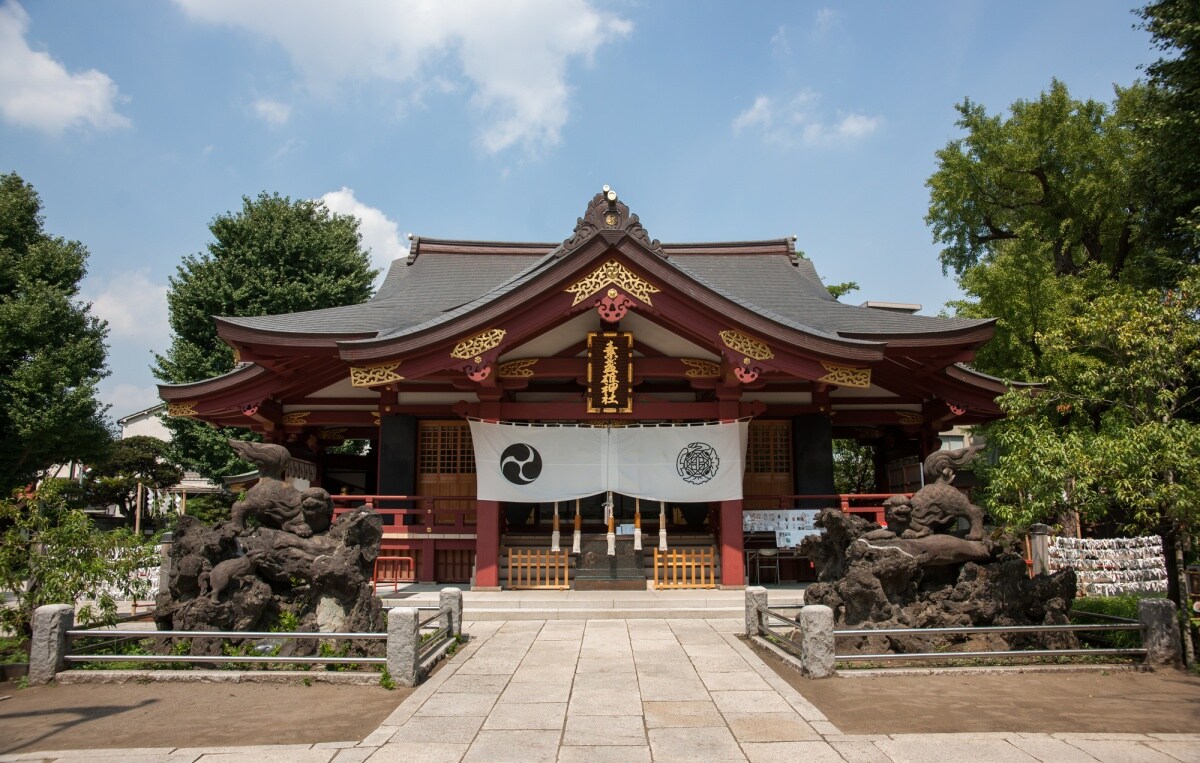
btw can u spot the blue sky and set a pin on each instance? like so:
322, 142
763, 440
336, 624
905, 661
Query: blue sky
138, 121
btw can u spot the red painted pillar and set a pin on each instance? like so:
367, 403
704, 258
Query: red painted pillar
732, 545
487, 545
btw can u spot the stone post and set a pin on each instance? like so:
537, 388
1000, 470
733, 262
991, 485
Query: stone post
1039, 549
164, 562
816, 641
756, 597
49, 645
452, 598
1160, 632
403, 638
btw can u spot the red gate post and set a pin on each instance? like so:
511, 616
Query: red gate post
732, 545
487, 546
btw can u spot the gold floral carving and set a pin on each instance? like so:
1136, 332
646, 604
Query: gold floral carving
296, 417
518, 369
747, 345
478, 344
187, 408
701, 369
380, 373
375, 417
846, 376
908, 417
612, 273
333, 434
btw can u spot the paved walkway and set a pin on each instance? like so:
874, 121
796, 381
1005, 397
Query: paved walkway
635, 690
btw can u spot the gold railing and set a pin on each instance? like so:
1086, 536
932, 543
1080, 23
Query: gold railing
685, 568
538, 568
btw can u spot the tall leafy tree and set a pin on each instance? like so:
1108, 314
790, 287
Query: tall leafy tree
52, 352
1170, 172
273, 256
1025, 204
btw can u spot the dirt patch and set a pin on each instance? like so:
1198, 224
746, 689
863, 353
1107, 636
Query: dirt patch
1163, 702
105, 716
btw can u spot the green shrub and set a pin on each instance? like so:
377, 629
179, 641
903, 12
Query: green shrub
1125, 606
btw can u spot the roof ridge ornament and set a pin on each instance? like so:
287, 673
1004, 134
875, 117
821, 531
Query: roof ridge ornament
606, 212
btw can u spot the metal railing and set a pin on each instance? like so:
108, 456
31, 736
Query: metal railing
767, 616
867, 505
122, 636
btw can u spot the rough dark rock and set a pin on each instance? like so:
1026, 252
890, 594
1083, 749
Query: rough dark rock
294, 565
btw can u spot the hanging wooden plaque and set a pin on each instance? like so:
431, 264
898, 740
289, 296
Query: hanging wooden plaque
610, 372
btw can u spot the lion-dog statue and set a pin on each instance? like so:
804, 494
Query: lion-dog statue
938, 505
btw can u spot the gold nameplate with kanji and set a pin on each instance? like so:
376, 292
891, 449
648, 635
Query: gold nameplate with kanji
610, 372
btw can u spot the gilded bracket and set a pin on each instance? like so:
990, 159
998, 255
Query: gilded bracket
518, 369
846, 376
296, 417
701, 369
380, 373
183, 408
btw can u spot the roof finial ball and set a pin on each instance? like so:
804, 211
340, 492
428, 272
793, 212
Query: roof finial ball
612, 216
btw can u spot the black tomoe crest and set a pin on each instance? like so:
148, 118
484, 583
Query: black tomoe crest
520, 463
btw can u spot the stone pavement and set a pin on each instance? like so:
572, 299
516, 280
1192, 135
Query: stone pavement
635, 690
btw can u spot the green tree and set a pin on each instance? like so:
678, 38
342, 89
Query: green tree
1113, 435
51, 346
1169, 175
273, 256
853, 467
51, 553
133, 461
1025, 205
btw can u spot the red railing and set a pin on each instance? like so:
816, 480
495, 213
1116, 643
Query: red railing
432, 514
867, 505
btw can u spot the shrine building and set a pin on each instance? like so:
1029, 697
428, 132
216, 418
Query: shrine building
608, 328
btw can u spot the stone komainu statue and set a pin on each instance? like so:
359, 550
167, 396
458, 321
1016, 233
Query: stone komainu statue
938, 505
274, 502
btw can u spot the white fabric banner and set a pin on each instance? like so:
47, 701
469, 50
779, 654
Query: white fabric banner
685, 464
516, 462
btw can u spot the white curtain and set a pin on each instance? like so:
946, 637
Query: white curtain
683, 463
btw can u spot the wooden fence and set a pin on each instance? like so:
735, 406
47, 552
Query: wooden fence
685, 568
538, 568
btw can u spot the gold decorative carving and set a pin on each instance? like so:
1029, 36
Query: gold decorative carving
296, 417
375, 416
846, 376
184, 408
518, 369
609, 274
747, 345
333, 434
908, 417
468, 349
380, 373
701, 369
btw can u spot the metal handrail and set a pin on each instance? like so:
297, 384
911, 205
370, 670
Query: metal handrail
988, 655
967, 629
220, 634
223, 658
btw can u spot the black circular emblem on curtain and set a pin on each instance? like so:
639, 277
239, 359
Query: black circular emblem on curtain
697, 463
520, 463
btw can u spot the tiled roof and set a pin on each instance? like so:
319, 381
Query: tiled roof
444, 279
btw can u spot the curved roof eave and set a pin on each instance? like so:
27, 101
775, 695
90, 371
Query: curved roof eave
240, 374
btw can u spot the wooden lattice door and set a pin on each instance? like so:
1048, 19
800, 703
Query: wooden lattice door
446, 465
768, 462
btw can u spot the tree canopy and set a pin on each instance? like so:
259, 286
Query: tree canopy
275, 255
52, 352
131, 461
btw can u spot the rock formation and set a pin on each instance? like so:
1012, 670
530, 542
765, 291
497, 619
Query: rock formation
920, 574
279, 560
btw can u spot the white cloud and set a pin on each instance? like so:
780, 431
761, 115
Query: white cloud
514, 54
128, 398
798, 121
135, 308
272, 112
38, 92
379, 234
826, 19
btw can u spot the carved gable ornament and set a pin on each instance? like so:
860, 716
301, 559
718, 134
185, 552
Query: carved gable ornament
380, 373
846, 376
606, 212
612, 273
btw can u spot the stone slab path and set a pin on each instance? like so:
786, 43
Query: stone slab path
635, 690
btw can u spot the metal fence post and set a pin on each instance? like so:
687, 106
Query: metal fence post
49, 645
452, 598
756, 597
1160, 632
403, 641
1039, 549
817, 641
